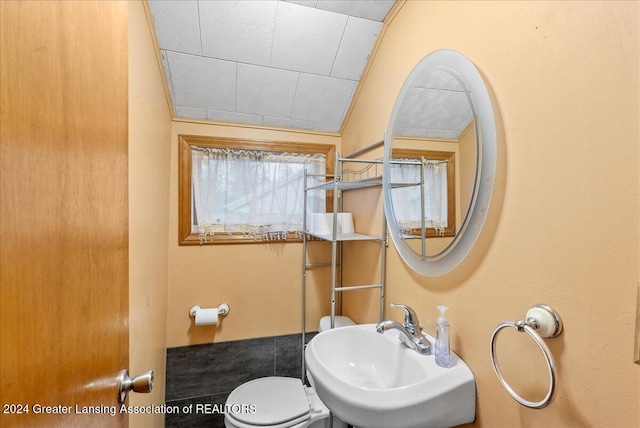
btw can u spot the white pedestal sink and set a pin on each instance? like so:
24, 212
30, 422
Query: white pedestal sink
371, 380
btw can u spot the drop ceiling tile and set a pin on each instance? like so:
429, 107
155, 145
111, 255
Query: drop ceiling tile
455, 111
322, 99
265, 91
287, 122
212, 53
306, 39
190, 112
228, 116
308, 3
238, 30
326, 127
176, 24
369, 9
438, 79
167, 73
445, 110
357, 42
428, 133
202, 82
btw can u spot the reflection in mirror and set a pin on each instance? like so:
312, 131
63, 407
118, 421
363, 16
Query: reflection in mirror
430, 202
435, 113
424, 199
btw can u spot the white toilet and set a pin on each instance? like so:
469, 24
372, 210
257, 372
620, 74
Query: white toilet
281, 402
340, 321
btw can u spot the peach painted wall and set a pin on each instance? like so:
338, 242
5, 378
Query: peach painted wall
564, 225
149, 165
260, 282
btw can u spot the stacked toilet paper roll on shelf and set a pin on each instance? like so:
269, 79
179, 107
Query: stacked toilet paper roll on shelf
322, 223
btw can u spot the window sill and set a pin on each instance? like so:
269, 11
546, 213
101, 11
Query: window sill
233, 238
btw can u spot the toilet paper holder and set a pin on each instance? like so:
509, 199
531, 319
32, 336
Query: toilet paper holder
223, 309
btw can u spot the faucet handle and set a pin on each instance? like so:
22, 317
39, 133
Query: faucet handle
411, 322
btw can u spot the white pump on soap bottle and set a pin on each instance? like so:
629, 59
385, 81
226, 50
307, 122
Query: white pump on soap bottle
442, 352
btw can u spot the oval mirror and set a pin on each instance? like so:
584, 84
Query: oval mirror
439, 163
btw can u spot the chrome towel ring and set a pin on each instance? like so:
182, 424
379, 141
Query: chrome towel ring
542, 321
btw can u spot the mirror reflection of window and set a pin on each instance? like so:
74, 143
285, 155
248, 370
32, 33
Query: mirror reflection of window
433, 171
444, 105
413, 188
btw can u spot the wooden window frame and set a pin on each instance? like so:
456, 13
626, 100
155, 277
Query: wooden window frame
450, 157
185, 144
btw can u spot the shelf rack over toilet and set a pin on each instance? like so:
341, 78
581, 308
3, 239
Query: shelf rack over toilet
344, 179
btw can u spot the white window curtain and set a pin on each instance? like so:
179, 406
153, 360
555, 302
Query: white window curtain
258, 193
406, 200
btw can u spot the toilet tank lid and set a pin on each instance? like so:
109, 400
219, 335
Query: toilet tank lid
269, 401
340, 321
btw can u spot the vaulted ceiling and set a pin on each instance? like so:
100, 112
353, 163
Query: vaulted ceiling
275, 63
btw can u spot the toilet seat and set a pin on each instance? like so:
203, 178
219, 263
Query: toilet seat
278, 402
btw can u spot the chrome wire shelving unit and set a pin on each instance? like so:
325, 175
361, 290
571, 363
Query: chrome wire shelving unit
366, 174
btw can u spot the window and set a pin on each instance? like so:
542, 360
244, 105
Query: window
244, 191
439, 192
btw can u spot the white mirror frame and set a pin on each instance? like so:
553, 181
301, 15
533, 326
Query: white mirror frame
469, 77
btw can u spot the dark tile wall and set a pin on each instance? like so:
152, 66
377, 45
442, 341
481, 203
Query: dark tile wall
201, 377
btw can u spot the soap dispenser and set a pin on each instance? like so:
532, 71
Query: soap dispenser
443, 355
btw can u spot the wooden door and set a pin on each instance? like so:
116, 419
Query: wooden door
64, 212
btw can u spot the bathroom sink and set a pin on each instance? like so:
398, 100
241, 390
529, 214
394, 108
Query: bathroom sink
372, 380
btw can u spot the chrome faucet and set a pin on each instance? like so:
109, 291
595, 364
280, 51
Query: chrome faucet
411, 334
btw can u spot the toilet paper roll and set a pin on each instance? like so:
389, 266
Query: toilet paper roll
322, 223
345, 223
207, 316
